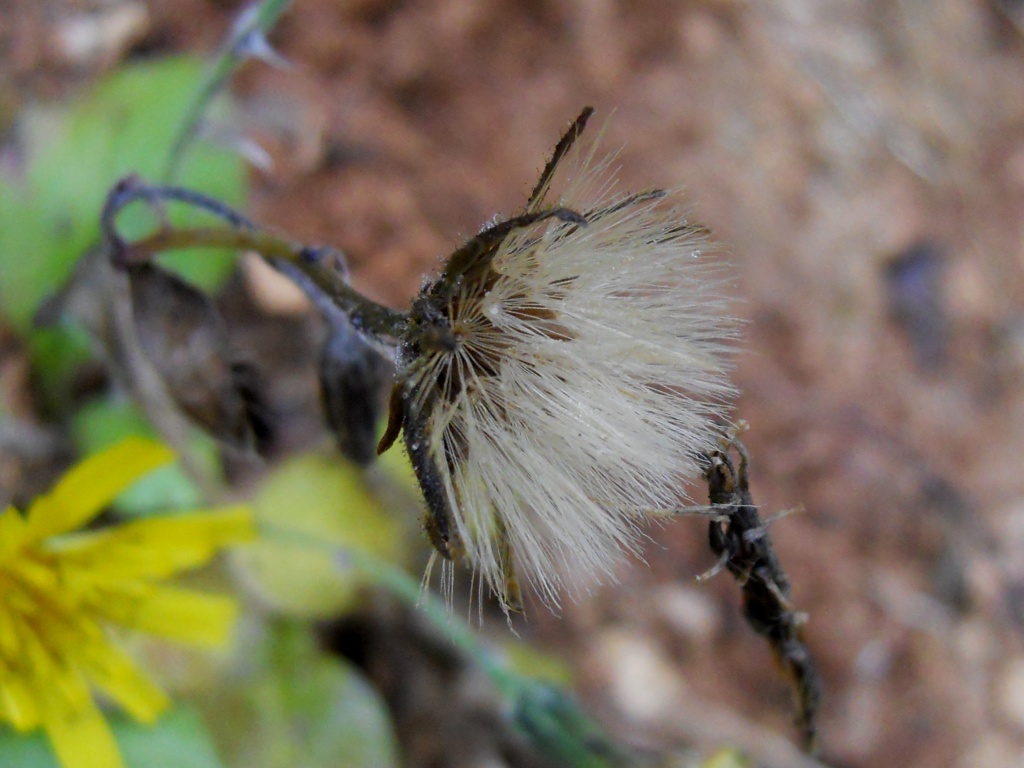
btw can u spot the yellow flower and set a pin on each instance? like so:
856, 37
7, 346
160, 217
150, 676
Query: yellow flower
64, 592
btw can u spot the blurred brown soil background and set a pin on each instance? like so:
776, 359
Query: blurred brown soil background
863, 164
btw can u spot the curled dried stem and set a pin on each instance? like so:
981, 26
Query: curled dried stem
739, 537
324, 266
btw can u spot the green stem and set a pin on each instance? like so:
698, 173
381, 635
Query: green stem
402, 585
545, 714
257, 21
324, 266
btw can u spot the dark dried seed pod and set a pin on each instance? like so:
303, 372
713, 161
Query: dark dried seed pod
184, 337
251, 388
353, 383
354, 374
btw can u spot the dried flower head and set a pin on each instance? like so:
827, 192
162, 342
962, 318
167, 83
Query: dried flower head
560, 379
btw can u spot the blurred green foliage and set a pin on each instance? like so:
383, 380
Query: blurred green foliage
552, 720
179, 738
728, 758
105, 422
296, 706
71, 156
322, 500
52, 194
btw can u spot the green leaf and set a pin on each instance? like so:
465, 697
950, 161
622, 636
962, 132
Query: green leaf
31, 261
56, 354
26, 750
300, 707
102, 423
126, 124
178, 739
313, 509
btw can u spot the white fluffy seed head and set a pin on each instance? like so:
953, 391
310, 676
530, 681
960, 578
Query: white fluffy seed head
575, 382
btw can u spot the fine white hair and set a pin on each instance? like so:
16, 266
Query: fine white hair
589, 375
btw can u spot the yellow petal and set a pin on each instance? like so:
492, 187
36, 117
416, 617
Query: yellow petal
113, 672
12, 532
18, 705
159, 547
10, 642
81, 737
92, 484
183, 615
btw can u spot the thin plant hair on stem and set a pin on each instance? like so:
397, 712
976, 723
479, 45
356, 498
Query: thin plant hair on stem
738, 535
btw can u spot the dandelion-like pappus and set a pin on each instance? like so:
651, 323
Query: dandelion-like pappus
561, 377
559, 382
